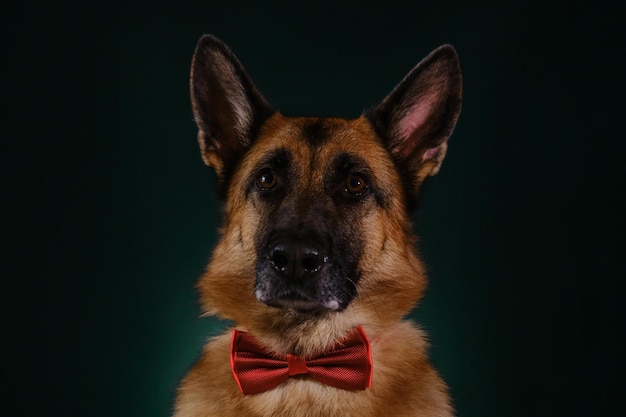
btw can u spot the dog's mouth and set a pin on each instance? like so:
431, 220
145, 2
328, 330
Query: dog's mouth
299, 302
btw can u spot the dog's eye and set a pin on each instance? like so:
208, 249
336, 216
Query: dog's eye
266, 180
356, 185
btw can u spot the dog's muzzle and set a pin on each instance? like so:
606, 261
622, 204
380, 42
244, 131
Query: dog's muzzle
296, 271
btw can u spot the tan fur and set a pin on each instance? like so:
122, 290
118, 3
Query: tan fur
392, 281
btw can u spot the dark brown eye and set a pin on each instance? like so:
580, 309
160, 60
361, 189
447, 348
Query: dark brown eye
266, 180
356, 184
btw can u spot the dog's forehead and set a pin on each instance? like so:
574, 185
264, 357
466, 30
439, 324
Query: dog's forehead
315, 142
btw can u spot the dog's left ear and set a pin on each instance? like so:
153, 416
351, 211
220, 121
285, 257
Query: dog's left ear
419, 115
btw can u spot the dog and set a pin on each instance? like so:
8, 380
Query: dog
316, 264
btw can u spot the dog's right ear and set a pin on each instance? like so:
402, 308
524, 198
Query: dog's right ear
226, 105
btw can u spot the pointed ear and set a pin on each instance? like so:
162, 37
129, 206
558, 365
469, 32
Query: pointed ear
226, 105
419, 115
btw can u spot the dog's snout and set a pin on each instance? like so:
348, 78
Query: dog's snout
296, 259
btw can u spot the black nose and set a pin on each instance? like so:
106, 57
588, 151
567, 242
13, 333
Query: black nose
296, 259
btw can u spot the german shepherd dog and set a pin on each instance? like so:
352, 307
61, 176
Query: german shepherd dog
316, 264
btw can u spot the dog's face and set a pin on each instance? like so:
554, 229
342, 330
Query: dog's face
317, 235
317, 189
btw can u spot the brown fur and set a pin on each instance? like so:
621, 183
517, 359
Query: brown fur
391, 276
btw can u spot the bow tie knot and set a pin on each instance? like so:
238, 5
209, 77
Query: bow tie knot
347, 366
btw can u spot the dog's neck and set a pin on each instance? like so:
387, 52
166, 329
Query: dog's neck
306, 342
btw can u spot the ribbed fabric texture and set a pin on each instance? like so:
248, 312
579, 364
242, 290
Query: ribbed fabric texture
347, 366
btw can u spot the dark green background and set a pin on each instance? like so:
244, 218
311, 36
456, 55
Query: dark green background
109, 214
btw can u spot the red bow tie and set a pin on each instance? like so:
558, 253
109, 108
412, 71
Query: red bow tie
348, 366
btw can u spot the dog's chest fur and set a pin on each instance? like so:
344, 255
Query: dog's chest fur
404, 384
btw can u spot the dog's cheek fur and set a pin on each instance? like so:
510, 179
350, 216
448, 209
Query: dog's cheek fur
393, 277
392, 274
227, 284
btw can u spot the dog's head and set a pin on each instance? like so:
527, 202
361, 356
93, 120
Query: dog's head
317, 236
